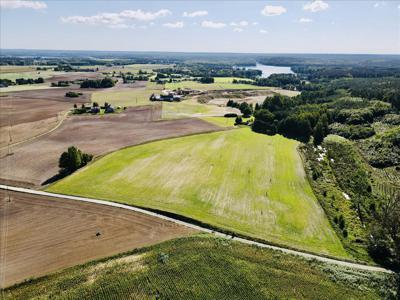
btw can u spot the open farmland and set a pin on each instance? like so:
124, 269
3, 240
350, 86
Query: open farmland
26, 114
202, 267
236, 180
34, 162
124, 96
44, 234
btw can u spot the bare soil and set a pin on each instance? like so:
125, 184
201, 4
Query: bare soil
40, 235
34, 162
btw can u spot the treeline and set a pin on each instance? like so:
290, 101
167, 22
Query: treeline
20, 81
106, 82
209, 70
335, 72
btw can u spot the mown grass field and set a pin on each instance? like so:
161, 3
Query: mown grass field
131, 97
220, 83
205, 268
192, 108
237, 180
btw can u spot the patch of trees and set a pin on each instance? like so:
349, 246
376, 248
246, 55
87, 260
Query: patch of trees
245, 108
61, 83
21, 81
383, 150
279, 114
384, 238
288, 81
6, 82
132, 78
385, 89
206, 80
106, 82
73, 159
352, 132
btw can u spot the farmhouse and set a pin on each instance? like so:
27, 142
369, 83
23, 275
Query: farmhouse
166, 95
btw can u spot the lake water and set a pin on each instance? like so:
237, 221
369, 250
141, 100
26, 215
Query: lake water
269, 70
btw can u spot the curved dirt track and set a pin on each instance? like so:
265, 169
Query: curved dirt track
41, 234
204, 229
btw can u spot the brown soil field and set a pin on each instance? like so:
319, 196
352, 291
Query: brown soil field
36, 161
40, 235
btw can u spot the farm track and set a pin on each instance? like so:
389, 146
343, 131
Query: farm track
204, 229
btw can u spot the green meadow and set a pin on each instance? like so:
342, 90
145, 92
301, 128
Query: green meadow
236, 180
220, 83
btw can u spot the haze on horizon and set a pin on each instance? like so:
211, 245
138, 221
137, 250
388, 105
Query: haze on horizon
368, 27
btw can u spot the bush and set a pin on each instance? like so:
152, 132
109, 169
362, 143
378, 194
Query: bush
71, 94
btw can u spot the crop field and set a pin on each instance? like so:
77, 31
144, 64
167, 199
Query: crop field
221, 83
36, 161
129, 96
235, 179
26, 114
202, 267
44, 234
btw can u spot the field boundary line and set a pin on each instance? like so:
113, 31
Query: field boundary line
305, 255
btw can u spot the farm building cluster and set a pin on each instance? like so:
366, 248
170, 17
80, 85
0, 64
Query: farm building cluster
170, 96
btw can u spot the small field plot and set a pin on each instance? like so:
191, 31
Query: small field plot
206, 268
191, 108
128, 96
236, 179
45, 234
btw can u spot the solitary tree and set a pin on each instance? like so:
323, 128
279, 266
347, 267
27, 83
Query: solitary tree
73, 159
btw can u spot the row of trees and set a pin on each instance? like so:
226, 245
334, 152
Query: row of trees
20, 81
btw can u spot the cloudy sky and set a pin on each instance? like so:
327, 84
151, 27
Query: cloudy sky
211, 26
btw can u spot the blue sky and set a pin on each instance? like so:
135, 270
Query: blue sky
211, 26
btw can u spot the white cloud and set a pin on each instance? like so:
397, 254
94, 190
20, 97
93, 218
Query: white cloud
270, 10
305, 20
239, 24
211, 24
263, 31
116, 18
238, 29
254, 23
13, 4
315, 6
197, 13
140, 15
174, 25
118, 26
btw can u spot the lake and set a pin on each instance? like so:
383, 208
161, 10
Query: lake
269, 70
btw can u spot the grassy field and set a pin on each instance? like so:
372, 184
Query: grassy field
29, 74
191, 108
221, 83
205, 268
237, 180
132, 97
